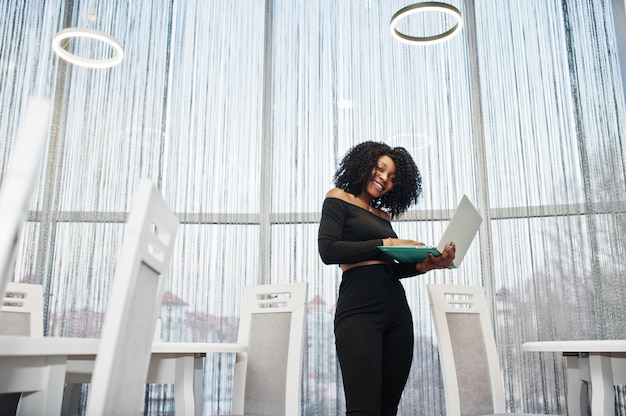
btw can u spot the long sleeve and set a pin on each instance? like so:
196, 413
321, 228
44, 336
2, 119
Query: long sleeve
340, 226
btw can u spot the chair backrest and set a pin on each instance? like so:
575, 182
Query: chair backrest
470, 366
268, 380
121, 367
18, 181
21, 311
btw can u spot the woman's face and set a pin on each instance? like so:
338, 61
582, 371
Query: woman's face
383, 175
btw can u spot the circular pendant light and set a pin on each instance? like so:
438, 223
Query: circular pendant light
74, 32
425, 7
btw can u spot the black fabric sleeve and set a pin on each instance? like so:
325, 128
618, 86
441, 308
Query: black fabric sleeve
333, 248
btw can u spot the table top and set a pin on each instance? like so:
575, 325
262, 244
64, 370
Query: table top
590, 346
18, 346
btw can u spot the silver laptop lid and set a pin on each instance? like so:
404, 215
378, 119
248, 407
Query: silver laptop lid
461, 229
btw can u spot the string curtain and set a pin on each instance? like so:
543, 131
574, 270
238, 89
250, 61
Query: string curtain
239, 111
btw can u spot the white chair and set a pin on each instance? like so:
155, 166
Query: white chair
38, 366
121, 367
21, 312
470, 366
16, 189
268, 378
18, 181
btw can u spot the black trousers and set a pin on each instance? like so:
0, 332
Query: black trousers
374, 340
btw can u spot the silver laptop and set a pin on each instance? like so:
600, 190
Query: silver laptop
461, 229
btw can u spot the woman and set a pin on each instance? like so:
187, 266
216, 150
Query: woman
373, 323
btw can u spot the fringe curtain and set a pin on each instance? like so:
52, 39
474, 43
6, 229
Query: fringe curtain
240, 111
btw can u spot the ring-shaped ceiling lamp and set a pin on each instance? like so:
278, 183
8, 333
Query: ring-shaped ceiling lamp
74, 32
433, 6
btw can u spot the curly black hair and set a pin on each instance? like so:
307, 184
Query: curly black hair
355, 171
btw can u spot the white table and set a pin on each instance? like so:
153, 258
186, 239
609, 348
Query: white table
42, 366
601, 363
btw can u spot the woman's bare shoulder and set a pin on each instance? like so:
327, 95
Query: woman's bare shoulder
339, 194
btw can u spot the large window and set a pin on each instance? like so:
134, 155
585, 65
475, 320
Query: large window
240, 110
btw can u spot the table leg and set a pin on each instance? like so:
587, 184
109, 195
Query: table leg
602, 391
48, 400
183, 386
198, 385
576, 397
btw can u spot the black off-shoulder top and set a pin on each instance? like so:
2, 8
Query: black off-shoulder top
350, 234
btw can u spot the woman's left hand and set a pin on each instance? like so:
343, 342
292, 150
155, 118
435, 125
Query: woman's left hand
438, 262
